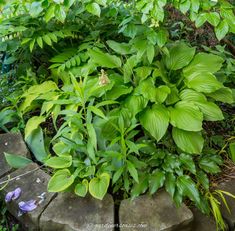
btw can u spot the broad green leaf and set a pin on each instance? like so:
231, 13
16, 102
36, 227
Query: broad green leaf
190, 142
60, 181
232, 151
191, 95
31, 45
98, 186
223, 95
35, 142
143, 72
81, 189
35, 9
16, 161
189, 188
221, 30
120, 48
187, 162
156, 181
60, 14
47, 39
93, 8
150, 53
155, 120
203, 62
132, 170
50, 13
170, 183
213, 18
180, 55
203, 179
185, 115
203, 82
33, 124
211, 112
201, 19
63, 161
104, 59
139, 188
161, 36
209, 165
135, 103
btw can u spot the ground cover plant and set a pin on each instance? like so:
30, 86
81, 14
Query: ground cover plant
110, 98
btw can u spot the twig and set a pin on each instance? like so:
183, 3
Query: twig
26, 173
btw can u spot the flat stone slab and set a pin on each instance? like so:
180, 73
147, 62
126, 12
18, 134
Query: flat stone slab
156, 213
68, 212
33, 185
12, 143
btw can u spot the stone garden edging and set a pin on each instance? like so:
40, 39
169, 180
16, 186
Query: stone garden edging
67, 212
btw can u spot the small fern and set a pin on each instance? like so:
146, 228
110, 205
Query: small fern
47, 38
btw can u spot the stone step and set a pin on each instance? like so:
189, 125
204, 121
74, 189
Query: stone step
156, 213
12, 143
68, 212
32, 185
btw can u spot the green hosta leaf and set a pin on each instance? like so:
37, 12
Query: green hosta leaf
222, 29
209, 165
59, 162
132, 170
191, 95
94, 9
60, 181
81, 189
33, 124
203, 82
156, 181
104, 59
223, 95
143, 72
161, 93
135, 103
201, 19
155, 121
185, 115
170, 183
92, 134
16, 161
203, 62
98, 186
210, 111
188, 163
120, 48
213, 18
35, 142
203, 179
189, 188
190, 142
180, 55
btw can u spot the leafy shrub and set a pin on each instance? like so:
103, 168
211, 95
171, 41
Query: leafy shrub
113, 103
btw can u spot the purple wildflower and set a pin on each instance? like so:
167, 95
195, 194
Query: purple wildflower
13, 195
27, 206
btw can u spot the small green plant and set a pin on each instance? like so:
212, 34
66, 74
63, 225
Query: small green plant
111, 104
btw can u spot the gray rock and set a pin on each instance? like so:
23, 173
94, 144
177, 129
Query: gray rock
202, 222
12, 143
33, 185
69, 212
157, 213
229, 217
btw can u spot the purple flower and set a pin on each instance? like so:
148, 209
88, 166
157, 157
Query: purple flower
27, 206
13, 195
